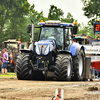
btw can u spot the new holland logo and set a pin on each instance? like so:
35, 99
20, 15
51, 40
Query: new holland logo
41, 46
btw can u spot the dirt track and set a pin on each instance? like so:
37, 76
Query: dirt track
13, 89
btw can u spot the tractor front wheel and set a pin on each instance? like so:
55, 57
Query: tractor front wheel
63, 67
22, 67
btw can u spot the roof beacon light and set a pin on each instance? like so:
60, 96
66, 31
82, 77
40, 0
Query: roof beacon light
41, 20
87, 36
19, 39
41, 23
75, 23
75, 35
54, 23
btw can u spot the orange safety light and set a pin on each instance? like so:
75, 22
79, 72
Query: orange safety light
75, 23
41, 20
75, 35
87, 36
19, 39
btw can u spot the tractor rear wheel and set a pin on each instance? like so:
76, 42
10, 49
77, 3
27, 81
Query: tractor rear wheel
63, 67
78, 66
23, 70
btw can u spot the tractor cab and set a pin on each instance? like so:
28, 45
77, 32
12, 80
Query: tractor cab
53, 33
61, 33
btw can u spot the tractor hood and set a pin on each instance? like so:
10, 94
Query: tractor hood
44, 47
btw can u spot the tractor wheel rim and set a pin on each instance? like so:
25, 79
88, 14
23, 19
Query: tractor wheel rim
80, 66
68, 68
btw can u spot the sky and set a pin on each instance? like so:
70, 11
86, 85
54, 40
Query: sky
72, 6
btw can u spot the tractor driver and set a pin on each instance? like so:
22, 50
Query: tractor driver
56, 37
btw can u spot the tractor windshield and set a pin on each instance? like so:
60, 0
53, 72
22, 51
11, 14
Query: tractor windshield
55, 33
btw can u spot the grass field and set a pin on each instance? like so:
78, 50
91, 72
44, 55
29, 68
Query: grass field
9, 74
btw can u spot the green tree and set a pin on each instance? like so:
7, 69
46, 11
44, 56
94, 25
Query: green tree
91, 8
55, 13
88, 30
12, 17
36, 17
68, 19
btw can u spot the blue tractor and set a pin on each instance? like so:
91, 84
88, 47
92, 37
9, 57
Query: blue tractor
54, 55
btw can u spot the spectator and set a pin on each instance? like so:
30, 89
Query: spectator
5, 59
2, 59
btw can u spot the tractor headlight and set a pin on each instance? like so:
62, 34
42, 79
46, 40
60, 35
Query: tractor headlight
47, 50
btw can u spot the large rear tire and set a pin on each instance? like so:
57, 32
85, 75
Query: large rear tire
63, 67
23, 70
78, 66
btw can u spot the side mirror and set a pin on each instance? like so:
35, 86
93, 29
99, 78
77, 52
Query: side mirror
75, 29
29, 28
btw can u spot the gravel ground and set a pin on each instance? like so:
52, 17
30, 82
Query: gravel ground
14, 89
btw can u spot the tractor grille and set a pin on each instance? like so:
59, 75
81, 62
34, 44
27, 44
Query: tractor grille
42, 48
40, 64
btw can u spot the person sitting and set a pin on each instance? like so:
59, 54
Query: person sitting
56, 36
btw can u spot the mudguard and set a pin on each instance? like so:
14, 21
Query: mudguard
75, 48
25, 50
64, 52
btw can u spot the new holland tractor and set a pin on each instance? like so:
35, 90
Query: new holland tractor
54, 55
